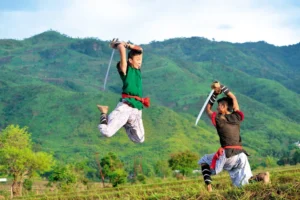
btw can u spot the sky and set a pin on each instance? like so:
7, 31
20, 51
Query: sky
276, 22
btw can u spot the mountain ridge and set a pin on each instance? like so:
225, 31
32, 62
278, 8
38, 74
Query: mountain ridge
52, 83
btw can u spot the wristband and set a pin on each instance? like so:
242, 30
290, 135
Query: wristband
225, 89
213, 99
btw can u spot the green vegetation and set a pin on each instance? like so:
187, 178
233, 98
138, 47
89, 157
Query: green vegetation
292, 156
185, 162
17, 158
113, 169
285, 184
65, 177
51, 84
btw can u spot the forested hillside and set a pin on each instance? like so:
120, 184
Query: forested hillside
52, 83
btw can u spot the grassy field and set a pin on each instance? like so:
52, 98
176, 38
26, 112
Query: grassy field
285, 184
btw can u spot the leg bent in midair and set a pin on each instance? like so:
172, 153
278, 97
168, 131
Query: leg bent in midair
117, 118
134, 127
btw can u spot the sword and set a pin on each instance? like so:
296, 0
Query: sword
111, 57
202, 109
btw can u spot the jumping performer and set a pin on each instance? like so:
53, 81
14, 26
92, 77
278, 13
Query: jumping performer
230, 156
128, 112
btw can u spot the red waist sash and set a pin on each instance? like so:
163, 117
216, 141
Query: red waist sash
145, 101
220, 153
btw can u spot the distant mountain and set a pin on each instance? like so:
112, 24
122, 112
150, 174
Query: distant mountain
52, 83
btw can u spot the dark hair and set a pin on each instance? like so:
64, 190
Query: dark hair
133, 53
228, 102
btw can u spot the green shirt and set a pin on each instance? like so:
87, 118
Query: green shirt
132, 85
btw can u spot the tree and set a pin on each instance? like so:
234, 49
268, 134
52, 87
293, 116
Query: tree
118, 176
296, 156
113, 169
185, 162
270, 162
64, 175
292, 156
162, 169
17, 158
68, 176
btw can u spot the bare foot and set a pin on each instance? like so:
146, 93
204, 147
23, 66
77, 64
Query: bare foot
263, 177
266, 178
103, 109
209, 188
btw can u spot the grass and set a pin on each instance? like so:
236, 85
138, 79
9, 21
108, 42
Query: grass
285, 184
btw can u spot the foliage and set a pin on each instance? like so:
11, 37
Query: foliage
113, 169
117, 177
185, 162
17, 158
292, 157
141, 178
27, 184
68, 176
51, 83
296, 156
64, 174
162, 169
270, 162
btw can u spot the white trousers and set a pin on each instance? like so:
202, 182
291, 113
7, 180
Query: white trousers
129, 118
237, 166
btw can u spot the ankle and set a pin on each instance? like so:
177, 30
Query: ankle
103, 118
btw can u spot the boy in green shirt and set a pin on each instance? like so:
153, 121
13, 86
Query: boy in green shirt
128, 112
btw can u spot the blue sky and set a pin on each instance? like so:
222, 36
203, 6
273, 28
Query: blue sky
142, 21
13, 5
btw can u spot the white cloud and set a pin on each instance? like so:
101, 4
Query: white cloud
143, 21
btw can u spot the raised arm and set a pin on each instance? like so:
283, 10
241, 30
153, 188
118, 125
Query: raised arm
208, 110
134, 47
122, 46
123, 59
234, 100
210, 104
228, 93
222, 88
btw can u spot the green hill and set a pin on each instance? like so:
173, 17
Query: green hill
52, 83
